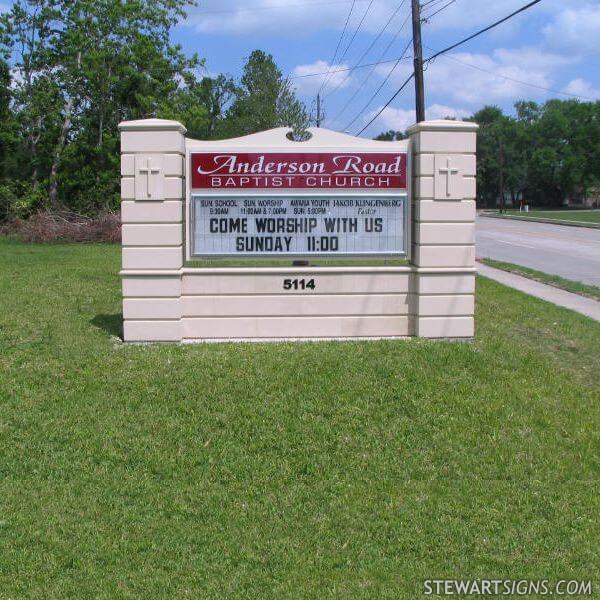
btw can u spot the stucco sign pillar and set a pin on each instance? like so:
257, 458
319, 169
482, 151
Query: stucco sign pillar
443, 215
400, 214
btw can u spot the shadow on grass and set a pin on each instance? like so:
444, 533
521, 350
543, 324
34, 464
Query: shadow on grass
112, 324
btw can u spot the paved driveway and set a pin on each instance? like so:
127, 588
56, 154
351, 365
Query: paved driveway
571, 252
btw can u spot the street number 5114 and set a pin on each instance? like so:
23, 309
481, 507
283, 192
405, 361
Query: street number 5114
299, 284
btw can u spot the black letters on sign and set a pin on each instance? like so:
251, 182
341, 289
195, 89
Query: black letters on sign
299, 284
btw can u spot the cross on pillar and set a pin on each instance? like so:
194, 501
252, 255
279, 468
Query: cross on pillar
148, 171
448, 171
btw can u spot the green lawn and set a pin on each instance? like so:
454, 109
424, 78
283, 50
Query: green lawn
314, 470
572, 216
583, 289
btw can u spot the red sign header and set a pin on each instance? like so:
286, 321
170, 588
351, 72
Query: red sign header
227, 171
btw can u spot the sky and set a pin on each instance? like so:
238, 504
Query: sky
552, 46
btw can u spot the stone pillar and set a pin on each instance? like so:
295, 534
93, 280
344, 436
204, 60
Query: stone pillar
443, 234
152, 209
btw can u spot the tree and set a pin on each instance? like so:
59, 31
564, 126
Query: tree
263, 100
202, 105
490, 120
391, 136
5, 115
83, 66
566, 159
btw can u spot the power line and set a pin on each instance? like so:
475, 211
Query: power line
440, 52
477, 33
533, 85
406, 82
431, 4
360, 112
326, 78
388, 75
373, 42
356, 32
346, 69
439, 10
370, 74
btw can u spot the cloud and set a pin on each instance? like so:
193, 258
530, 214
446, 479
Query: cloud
584, 89
304, 17
295, 17
270, 17
400, 119
459, 16
575, 31
311, 85
574, 28
476, 79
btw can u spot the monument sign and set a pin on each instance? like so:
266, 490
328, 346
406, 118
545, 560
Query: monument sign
195, 212
304, 221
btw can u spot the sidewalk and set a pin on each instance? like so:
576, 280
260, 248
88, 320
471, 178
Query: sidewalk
585, 306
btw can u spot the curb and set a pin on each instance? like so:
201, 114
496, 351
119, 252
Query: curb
481, 261
569, 300
540, 220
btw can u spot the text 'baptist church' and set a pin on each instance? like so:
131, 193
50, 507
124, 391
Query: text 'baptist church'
309, 170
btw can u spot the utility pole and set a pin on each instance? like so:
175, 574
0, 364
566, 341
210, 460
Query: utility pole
418, 61
318, 110
501, 162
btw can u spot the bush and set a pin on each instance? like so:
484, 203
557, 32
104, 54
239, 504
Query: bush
45, 226
19, 200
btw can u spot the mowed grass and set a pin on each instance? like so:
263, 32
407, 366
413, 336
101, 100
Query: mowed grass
577, 287
573, 216
312, 470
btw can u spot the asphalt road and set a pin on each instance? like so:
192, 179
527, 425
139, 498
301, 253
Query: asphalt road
571, 252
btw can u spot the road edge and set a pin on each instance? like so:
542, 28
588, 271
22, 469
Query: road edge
539, 220
569, 300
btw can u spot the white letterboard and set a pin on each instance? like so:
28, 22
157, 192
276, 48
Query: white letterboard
298, 225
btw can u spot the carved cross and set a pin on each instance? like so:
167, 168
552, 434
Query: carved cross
448, 171
148, 171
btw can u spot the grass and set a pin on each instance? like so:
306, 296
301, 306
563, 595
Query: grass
591, 217
314, 470
583, 289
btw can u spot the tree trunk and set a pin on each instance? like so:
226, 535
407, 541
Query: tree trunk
103, 103
62, 138
60, 146
100, 129
33, 140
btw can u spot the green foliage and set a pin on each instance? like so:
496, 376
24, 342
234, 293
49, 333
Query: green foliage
82, 66
391, 136
71, 70
546, 154
263, 100
19, 199
201, 105
6, 120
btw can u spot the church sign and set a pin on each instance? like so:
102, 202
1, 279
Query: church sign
264, 238
293, 204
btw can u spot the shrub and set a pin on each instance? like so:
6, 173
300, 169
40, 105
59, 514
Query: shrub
19, 200
45, 226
